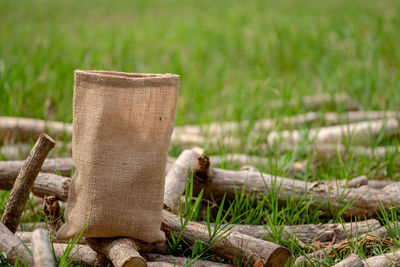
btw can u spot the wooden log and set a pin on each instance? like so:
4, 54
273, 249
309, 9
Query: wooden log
42, 253
121, 251
12, 247
391, 259
328, 151
49, 184
180, 261
9, 169
335, 133
353, 260
24, 182
329, 134
175, 180
26, 128
366, 202
233, 246
196, 133
307, 233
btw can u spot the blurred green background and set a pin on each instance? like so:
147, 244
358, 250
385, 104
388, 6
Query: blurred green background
233, 56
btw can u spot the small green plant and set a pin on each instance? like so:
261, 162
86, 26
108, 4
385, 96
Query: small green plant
64, 260
190, 212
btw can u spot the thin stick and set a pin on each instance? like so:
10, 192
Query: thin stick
26, 128
224, 128
24, 182
9, 169
49, 184
42, 253
365, 201
308, 233
121, 251
175, 180
231, 247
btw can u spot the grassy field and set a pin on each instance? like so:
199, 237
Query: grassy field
233, 57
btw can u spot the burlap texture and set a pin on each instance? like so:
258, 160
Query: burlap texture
122, 126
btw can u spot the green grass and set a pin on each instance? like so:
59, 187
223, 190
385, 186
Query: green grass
233, 57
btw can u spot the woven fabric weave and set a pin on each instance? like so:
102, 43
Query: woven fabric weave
122, 126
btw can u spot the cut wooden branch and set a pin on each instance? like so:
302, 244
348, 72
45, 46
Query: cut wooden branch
180, 261
42, 253
391, 259
335, 133
307, 233
329, 134
175, 180
363, 201
353, 260
229, 246
13, 247
9, 169
328, 151
27, 128
121, 252
24, 182
49, 184
195, 133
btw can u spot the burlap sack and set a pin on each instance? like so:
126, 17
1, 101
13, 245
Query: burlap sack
122, 126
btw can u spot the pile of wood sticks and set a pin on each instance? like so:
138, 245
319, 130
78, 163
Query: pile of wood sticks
36, 175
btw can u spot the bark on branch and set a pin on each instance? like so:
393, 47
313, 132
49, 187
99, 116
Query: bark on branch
353, 260
233, 246
26, 128
220, 129
24, 182
307, 233
365, 201
9, 169
175, 180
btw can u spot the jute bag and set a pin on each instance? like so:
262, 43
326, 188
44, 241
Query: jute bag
122, 126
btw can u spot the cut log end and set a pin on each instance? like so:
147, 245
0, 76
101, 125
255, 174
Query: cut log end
278, 257
135, 262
